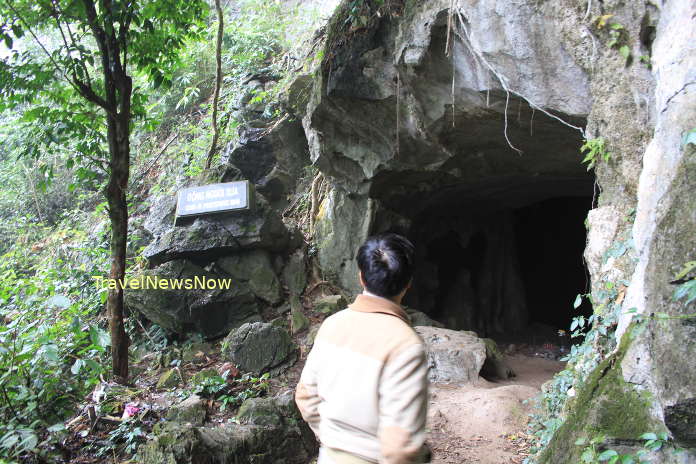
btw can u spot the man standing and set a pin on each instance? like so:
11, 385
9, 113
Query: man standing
363, 390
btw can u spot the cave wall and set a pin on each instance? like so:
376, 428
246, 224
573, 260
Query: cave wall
397, 125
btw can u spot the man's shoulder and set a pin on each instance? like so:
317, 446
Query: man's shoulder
348, 327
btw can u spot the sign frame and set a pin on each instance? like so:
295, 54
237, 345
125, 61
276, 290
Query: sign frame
179, 217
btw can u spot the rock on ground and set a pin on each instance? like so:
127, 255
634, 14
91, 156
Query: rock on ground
282, 439
453, 356
209, 312
260, 347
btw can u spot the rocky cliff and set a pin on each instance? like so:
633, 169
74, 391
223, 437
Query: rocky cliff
453, 122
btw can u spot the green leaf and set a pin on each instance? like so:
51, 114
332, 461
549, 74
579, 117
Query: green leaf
59, 301
17, 30
75, 369
50, 352
587, 456
689, 138
59, 427
577, 302
99, 337
688, 267
606, 455
625, 51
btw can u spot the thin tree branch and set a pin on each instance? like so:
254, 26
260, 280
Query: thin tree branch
218, 83
36, 39
81, 61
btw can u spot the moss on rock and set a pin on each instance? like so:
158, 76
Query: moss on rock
605, 405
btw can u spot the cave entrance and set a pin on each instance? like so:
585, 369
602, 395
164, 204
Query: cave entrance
499, 234
510, 273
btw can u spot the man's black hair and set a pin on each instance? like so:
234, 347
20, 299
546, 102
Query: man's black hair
386, 261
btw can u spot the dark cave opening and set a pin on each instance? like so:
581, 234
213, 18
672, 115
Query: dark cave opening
511, 273
551, 240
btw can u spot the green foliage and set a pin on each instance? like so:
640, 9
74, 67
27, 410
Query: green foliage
124, 439
686, 285
596, 333
618, 36
596, 150
51, 350
232, 392
594, 451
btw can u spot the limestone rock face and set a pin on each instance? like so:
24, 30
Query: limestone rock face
210, 312
268, 411
191, 410
330, 304
216, 235
170, 379
260, 347
275, 434
295, 273
253, 268
453, 356
412, 136
419, 318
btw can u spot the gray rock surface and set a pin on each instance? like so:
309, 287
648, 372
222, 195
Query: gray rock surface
419, 318
253, 268
211, 313
295, 273
217, 235
275, 434
495, 366
260, 347
191, 410
170, 378
330, 304
453, 356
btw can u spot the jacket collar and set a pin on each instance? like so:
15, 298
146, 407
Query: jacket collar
369, 303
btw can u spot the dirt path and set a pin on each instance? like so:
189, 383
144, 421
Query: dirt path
485, 423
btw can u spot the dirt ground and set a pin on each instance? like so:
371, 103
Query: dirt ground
485, 423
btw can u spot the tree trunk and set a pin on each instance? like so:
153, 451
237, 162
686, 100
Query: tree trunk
119, 90
218, 82
119, 148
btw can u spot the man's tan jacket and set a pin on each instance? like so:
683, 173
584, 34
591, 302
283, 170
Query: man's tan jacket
364, 386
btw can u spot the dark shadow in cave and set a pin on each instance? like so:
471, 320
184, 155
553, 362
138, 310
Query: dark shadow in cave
551, 241
511, 274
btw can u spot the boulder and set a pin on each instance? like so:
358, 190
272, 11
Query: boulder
495, 366
274, 434
207, 237
295, 273
201, 376
170, 379
254, 268
299, 321
453, 356
330, 304
195, 353
268, 411
208, 312
260, 347
419, 318
191, 410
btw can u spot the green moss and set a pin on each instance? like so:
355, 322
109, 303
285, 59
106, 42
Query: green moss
605, 405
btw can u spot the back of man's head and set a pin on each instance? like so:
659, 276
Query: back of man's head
386, 262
